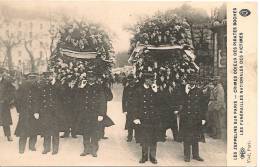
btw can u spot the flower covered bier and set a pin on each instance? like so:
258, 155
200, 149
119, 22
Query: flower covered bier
162, 45
83, 49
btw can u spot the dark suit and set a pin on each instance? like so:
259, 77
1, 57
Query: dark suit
7, 93
191, 118
91, 103
127, 106
145, 109
52, 118
27, 105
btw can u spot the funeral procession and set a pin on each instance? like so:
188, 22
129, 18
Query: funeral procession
82, 85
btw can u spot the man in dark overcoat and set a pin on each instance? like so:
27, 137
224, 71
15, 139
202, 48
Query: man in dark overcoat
91, 105
127, 105
192, 118
27, 107
147, 116
7, 93
51, 116
106, 122
68, 101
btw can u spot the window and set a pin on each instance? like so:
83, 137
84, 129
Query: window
19, 53
41, 44
41, 54
41, 26
19, 33
19, 24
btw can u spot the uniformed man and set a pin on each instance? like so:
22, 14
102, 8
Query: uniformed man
68, 101
107, 122
51, 115
147, 117
127, 105
7, 93
91, 105
27, 106
192, 118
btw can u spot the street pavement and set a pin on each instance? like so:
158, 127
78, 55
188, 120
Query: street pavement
114, 151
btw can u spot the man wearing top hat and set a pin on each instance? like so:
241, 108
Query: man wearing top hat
128, 103
51, 115
147, 117
7, 92
192, 118
28, 108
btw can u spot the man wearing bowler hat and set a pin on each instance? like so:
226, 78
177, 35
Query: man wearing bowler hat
147, 117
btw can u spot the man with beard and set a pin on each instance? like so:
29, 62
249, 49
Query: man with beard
147, 117
51, 115
192, 118
127, 105
91, 103
27, 106
7, 91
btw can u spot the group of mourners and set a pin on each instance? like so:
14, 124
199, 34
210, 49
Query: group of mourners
46, 108
189, 110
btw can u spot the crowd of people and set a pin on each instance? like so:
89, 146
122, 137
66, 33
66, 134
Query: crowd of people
46, 108
190, 110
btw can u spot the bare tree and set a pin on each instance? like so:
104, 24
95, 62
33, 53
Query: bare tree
8, 42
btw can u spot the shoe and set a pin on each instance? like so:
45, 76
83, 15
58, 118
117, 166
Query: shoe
64, 136
104, 138
9, 138
32, 149
94, 154
187, 159
54, 152
84, 154
45, 151
198, 158
74, 136
142, 160
129, 140
154, 161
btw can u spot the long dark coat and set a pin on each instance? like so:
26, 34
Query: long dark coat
127, 105
146, 109
91, 103
173, 103
191, 116
52, 117
26, 105
7, 93
68, 99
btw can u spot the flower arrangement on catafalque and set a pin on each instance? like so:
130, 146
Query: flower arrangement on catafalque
84, 55
162, 45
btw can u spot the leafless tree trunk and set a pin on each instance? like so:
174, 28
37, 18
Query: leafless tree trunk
30, 53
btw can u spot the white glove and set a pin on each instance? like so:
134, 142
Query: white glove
176, 112
125, 113
203, 122
36, 115
137, 121
100, 118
